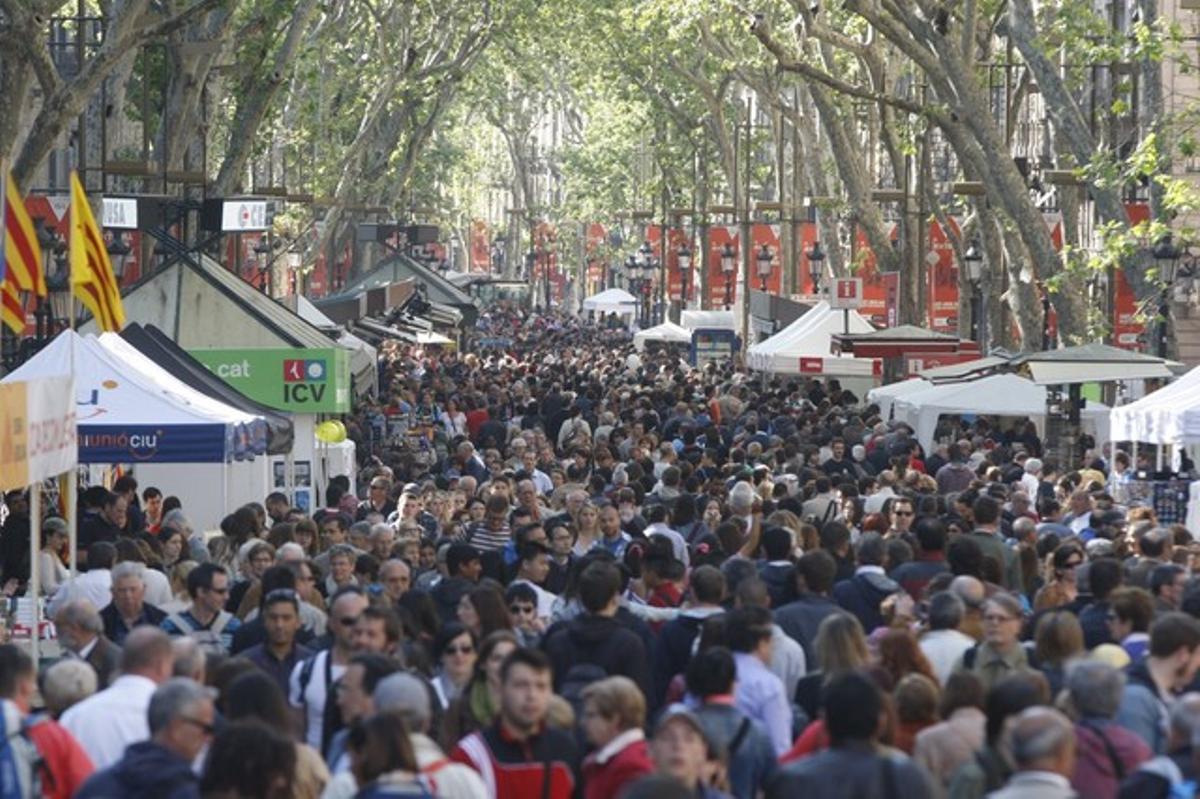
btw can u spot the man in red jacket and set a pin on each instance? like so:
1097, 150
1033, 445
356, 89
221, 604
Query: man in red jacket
519, 756
65, 766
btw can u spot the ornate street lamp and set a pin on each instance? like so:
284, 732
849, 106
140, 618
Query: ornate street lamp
973, 263
1166, 258
815, 256
683, 257
728, 268
765, 260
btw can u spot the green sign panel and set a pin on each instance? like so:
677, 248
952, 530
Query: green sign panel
295, 380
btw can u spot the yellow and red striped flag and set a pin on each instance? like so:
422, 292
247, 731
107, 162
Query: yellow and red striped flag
92, 278
20, 258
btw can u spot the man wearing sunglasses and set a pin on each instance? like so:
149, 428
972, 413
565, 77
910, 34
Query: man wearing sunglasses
206, 619
310, 688
181, 719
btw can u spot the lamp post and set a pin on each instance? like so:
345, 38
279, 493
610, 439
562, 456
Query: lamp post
1166, 257
683, 257
973, 262
815, 257
728, 268
648, 263
765, 260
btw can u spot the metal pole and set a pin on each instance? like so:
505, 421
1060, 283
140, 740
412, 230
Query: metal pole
35, 579
747, 249
71, 504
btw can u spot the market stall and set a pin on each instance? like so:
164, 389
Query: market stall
612, 301
666, 333
1005, 396
803, 348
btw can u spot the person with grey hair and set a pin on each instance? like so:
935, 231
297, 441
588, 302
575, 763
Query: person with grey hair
382, 538
176, 520
51, 571
1041, 743
66, 684
1158, 777
1106, 750
129, 607
943, 644
105, 724
81, 634
190, 660
181, 719
863, 594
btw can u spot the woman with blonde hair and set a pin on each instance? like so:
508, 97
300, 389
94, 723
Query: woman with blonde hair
841, 647
587, 532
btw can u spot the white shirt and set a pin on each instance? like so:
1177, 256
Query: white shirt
944, 649
316, 693
107, 722
95, 586
1030, 485
158, 588
874, 503
787, 659
678, 545
545, 599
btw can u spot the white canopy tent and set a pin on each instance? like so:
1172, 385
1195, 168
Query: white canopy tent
885, 396
804, 346
1005, 395
615, 301
708, 320
668, 332
1170, 415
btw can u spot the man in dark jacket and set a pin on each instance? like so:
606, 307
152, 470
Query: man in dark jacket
800, 619
863, 593
1157, 776
597, 639
914, 575
464, 564
707, 591
1104, 576
778, 571
181, 717
853, 765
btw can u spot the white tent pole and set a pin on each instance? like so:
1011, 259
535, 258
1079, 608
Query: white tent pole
1158, 458
35, 579
71, 503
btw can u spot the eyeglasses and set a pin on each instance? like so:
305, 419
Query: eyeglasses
520, 609
465, 649
214, 590
348, 621
205, 727
902, 513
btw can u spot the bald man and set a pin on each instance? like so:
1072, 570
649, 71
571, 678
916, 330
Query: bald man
1042, 743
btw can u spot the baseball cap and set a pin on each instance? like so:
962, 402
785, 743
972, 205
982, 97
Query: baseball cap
406, 694
680, 714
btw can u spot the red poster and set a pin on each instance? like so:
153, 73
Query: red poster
481, 250
942, 279
811, 366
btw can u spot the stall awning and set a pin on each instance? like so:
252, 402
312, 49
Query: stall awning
1090, 363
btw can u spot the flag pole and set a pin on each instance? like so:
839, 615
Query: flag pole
35, 580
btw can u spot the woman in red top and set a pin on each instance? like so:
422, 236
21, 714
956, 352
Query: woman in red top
614, 713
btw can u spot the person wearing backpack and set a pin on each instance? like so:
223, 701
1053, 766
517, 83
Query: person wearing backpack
750, 757
206, 619
854, 764
46, 759
595, 640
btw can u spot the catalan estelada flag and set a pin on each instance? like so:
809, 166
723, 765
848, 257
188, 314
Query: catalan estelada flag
20, 259
92, 278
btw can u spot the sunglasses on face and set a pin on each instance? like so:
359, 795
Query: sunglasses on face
465, 649
520, 609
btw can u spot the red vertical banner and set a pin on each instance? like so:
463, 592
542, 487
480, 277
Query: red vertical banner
718, 237
1128, 331
481, 248
594, 239
676, 237
767, 235
943, 279
875, 283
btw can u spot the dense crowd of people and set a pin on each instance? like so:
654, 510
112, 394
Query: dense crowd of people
576, 570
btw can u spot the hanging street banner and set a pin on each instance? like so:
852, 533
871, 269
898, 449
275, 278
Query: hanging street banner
294, 380
38, 433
